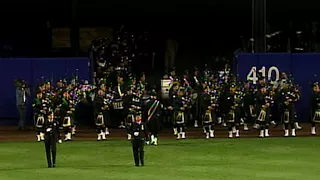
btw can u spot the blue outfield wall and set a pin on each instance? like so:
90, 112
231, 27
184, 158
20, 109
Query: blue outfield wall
32, 69
303, 67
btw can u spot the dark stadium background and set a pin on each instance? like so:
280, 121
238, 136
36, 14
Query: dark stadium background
204, 29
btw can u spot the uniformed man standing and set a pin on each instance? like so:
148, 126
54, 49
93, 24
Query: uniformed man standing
288, 110
51, 135
315, 107
139, 136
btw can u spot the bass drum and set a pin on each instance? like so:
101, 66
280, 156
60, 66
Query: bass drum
165, 86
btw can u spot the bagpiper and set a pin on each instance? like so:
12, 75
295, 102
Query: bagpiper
39, 109
117, 104
173, 94
263, 101
100, 107
66, 113
196, 84
232, 102
128, 110
288, 110
152, 111
315, 107
208, 115
180, 105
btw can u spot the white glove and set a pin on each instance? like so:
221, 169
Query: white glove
136, 133
49, 129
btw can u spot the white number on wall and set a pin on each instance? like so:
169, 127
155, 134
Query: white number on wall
252, 75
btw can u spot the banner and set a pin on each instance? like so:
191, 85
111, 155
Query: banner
32, 70
303, 67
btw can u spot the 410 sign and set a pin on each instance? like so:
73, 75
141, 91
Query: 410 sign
271, 74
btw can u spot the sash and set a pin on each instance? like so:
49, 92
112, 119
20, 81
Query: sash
186, 83
119, 91
171, 83
195, 79
153, 109
252, 111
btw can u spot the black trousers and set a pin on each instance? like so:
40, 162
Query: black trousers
118, 117
39, 130
154, 126
22, 115
51, 149
67, 130
101, 129
138, 151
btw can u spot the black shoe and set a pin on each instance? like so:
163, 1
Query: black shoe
142, 164
54, 166
49, 166
137, 165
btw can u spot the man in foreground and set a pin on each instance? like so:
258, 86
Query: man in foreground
51, 136
139, 136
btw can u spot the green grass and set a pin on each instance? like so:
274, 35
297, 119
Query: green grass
196, 159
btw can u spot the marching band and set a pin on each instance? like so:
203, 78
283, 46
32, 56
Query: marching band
210, 100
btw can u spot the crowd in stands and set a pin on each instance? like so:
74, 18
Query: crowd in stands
292, 37
123, 53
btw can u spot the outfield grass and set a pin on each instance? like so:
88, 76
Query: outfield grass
218, 159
